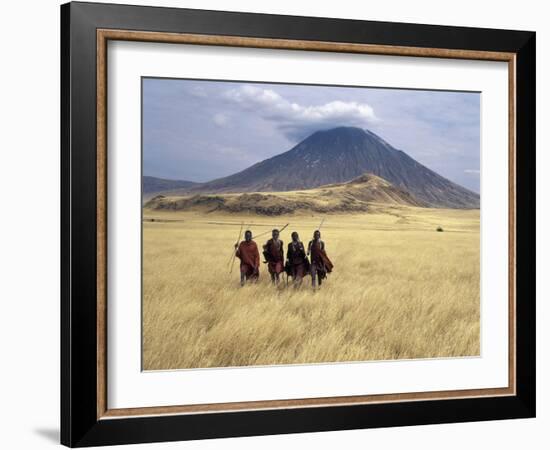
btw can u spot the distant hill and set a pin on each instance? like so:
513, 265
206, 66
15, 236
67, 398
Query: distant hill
353, 196
153, 185
337, 156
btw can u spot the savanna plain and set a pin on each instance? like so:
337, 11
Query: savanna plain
400, 290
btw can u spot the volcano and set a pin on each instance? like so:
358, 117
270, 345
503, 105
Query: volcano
339, 155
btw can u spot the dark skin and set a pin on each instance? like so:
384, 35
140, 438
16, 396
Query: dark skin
275, 276
297, 280
247, 238
316, 237
315, 277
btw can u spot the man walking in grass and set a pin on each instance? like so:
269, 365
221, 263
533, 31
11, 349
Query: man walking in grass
297, 262
247, 252
274, 255
320, 263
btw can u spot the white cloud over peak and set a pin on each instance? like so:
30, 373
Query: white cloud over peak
298, 121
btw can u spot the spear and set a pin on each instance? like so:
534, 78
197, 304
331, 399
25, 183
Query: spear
322, 221
282, 229
234, 254
269, 231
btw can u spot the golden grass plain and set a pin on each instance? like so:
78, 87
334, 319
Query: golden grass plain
399, 290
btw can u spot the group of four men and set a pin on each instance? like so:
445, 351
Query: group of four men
297, 263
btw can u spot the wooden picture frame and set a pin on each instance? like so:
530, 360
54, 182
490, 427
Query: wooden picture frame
86, 418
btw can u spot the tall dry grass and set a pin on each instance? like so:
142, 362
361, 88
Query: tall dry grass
399, 290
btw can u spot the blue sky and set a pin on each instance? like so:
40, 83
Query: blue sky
201, 130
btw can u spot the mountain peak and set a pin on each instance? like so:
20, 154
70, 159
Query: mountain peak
345, 137
341, 154
348, 133
352, 131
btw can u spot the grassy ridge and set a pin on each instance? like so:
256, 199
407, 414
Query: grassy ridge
399, 290
356, 196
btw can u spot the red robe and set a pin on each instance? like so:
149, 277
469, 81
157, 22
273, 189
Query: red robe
249, 255
276, 256
297, 259
319, 257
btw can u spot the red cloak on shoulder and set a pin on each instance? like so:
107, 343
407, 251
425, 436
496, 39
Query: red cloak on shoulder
249, 255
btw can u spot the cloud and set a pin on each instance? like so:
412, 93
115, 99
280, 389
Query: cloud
298, 121
198, 91
231, 152
472, 171
220, 119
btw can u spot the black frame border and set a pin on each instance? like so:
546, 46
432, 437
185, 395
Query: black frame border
79, 424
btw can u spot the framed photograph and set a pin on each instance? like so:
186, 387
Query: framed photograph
277, 224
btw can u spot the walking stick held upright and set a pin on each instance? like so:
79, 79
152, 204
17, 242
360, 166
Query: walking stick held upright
234, 255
